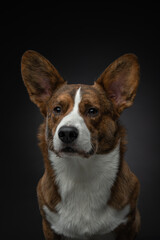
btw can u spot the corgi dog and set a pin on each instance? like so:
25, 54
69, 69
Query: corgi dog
87, 190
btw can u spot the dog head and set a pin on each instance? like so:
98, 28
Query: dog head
81, 119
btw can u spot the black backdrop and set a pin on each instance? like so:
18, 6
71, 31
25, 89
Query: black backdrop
80, 40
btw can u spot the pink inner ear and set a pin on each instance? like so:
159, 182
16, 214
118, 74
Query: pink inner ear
45, 95
117, 87
114, 92
45, 87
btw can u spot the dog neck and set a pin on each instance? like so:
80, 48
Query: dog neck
92, 172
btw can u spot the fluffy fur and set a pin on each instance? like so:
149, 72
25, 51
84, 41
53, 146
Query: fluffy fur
89, 193
84, 186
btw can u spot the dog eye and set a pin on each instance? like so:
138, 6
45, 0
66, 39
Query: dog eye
92, 112
57, 110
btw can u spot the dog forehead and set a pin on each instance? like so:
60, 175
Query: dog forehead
68, 93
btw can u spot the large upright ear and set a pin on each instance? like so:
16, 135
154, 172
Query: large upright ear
40, 78
120, 81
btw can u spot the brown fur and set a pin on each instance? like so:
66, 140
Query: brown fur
40, 78
110, 94
123, 75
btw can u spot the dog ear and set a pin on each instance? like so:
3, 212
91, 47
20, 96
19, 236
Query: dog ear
120, 81
40, 78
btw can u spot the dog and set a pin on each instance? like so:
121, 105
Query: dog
87, 190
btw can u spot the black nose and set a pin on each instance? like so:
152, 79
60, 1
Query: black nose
68, 134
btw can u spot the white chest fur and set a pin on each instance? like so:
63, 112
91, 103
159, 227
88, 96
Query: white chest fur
84, 186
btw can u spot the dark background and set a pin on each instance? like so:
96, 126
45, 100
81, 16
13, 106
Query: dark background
80, 39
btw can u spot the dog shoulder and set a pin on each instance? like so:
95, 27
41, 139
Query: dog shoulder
47, 193
125, 189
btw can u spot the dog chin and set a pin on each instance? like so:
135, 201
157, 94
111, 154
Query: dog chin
71, 152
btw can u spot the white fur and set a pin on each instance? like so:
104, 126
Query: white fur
83, 142
46, 130
84, 186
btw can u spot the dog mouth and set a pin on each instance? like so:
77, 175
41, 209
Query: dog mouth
75, 152
68, 150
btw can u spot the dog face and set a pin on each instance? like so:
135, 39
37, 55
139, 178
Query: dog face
77, 120
81, 119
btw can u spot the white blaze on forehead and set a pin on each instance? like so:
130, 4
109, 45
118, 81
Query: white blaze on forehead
77, 100
74, 119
